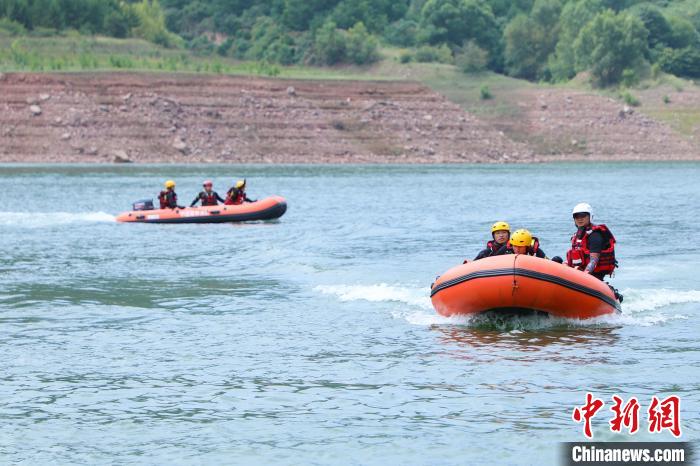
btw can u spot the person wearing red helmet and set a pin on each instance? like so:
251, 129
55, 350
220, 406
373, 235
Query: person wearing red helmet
208, 196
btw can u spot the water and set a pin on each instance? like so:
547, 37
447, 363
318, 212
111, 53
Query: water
311, 340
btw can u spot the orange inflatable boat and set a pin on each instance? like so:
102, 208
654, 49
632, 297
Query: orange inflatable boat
519, 282
264, 209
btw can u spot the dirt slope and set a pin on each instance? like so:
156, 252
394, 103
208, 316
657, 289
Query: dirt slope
141, 117
187, 118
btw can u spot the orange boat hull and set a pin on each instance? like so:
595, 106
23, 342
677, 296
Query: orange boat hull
522, 283
264, 209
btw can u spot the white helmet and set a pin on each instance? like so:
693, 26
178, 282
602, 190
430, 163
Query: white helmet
583, 208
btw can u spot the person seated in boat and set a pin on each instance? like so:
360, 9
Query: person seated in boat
168, 197
237, 194
500, 234
208, 196
592, 246
522, 242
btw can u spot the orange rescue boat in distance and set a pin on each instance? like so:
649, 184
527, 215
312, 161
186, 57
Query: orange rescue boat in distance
521, 282
265, 209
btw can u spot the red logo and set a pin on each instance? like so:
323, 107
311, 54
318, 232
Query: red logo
586, 412
662, 414
627, 416
665, 414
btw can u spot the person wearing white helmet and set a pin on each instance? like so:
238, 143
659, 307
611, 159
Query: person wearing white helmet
592, 246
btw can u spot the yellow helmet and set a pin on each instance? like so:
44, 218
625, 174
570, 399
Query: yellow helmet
521, 237
500, 226
240, 184
169, 184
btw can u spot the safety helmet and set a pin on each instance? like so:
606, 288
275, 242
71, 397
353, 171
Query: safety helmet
240, 184
583, 208
500, 226
207, 183
521, 237
169, 184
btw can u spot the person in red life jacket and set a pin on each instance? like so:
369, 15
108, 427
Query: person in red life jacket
208, 196
237, 195
500, 234
592, 246
522, 242
168, 197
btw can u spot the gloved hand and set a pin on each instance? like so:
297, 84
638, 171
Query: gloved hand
558, 260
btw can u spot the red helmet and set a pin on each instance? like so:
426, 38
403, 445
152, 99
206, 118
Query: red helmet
207, 183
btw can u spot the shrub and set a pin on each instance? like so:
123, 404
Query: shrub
681, 62
629, 78
402, 33
428, 54
361, 47
485, 93
667, 99
11, 28
630, 99
329, 45
151, 24
472, 58
201, 45
406, 57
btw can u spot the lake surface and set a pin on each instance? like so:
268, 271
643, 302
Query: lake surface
312, 340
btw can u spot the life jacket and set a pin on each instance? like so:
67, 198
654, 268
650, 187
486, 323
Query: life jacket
168, 199
208, 198
579, 256
235, 196
531, 250
493, 246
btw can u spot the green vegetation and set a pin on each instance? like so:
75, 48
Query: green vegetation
629, 99
615, 42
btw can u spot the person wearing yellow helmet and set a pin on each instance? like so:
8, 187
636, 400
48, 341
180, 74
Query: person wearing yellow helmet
500, 234
237, 195
522, 242
168, 197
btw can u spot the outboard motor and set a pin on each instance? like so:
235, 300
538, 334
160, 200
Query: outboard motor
144, 204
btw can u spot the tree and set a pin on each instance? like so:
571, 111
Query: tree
531, 39
456, 21
574, 16
683, 33
682, 62
329, 44
471, 58
610, 44
654, 21
361, 46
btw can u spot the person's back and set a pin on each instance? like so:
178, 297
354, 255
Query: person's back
168, 197
237, 194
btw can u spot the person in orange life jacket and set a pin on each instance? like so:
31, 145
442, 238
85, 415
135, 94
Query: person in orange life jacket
500, 234
237, 195
208, 196
522, 242
168, 198
592, 246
